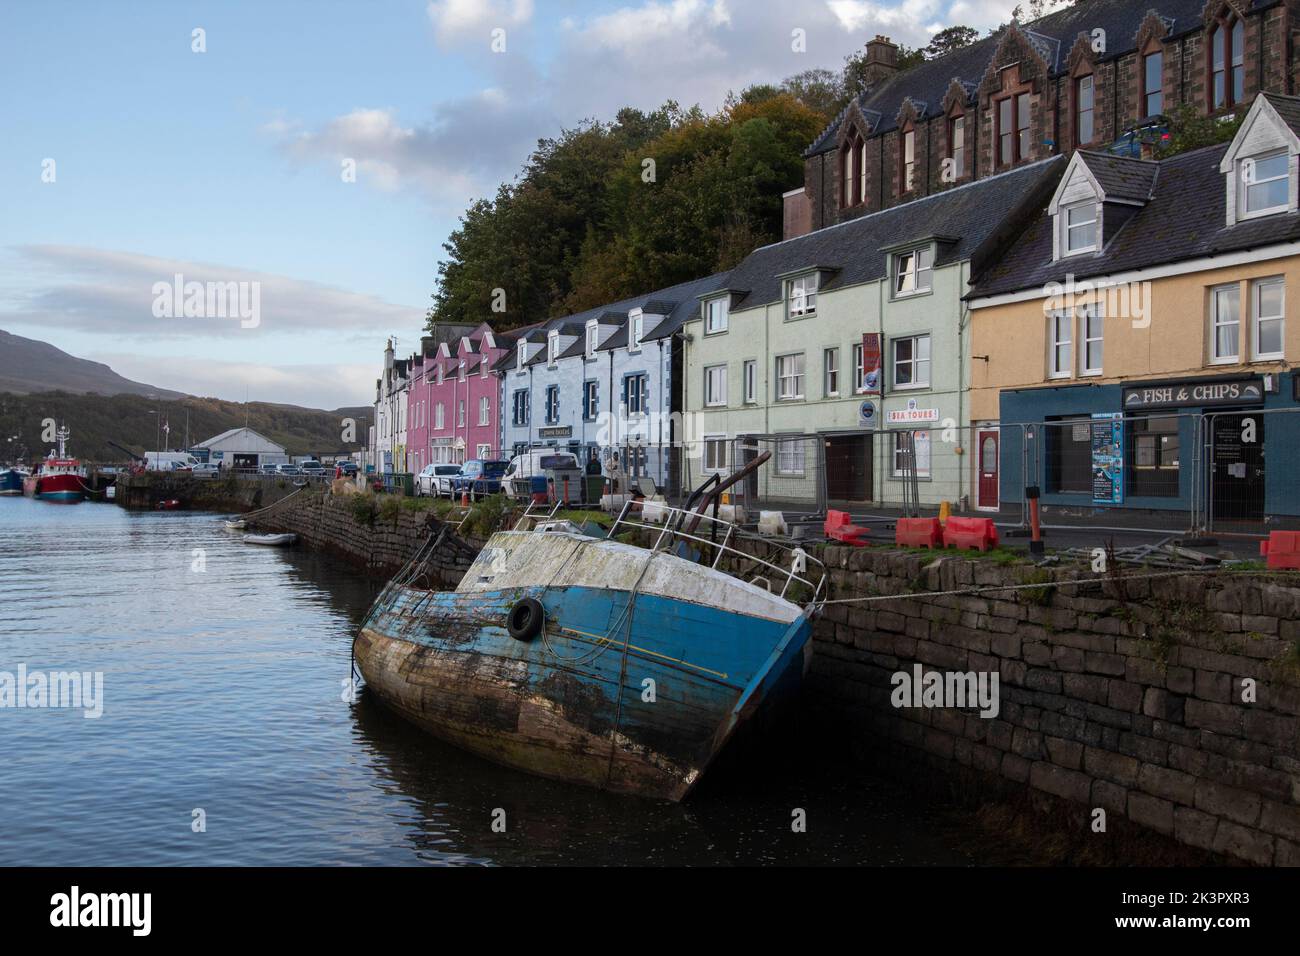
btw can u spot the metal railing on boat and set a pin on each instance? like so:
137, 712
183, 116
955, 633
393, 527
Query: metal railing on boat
673, 531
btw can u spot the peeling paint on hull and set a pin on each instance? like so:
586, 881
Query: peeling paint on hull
572, 703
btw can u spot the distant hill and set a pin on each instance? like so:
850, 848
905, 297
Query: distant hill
129, 420
29, 365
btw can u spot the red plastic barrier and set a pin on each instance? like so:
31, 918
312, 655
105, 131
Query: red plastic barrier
1282, 550
977, 533
839, 527
918, 532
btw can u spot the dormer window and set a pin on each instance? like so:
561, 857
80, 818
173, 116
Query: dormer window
462, 371
1227, 64
634, 333
1265, 184
715, 315
957, 145
523, 354
552, 348
1153, 65
801, 296
593, 333
907, 161
1084, 129
1079, 229
913, 272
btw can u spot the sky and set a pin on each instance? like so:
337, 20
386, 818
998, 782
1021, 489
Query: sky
303, 163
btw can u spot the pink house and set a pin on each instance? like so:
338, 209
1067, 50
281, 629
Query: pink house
453, 404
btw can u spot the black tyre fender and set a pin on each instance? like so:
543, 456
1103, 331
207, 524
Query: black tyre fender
524, 622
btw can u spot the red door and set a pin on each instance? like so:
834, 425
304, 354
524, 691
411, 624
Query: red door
987, 494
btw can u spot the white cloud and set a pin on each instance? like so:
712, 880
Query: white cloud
108, 291
454, 20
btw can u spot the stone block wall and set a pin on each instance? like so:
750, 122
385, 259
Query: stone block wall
1171, 701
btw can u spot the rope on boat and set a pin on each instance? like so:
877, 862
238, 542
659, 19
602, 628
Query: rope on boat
1075, 582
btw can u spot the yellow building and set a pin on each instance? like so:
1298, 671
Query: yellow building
1134, 347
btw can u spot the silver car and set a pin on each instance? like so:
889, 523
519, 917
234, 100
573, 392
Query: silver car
435, 480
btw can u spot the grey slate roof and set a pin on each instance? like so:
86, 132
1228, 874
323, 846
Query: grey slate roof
971, 214
1052, 35
1185, 219
1288, 108
1121, 177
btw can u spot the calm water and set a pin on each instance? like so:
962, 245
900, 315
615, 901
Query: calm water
223, 690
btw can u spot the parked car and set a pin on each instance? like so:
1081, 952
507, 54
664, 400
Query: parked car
207, 470
312, 467
267, 470
435, 480
349, 468
479, 477
288, 470
548, 462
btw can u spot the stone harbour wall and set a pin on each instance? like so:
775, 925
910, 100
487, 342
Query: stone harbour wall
1171, 701
381, 546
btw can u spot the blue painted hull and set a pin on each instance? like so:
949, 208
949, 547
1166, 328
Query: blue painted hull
60, 495
634, 700
11, 482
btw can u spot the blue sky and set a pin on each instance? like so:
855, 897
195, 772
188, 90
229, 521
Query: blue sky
226, 165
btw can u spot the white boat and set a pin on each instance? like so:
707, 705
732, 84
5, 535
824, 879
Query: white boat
236, 524
272, 540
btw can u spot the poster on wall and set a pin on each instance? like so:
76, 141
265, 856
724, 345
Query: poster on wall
1108, 458
870, 364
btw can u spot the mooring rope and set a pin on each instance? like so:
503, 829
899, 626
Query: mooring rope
1075, 582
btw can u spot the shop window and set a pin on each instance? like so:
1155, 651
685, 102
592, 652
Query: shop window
1154, 456
1069, 455
920, 447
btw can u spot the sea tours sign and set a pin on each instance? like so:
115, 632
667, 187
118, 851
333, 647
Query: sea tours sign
1194, 394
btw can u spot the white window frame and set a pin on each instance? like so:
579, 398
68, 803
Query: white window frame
915, 362
749, 381
801, 296
522, 356
792, 464
484, 451
460, 414
1243, 195
915, 268
831, 372
1215, 292
1068, 227
715, 386
795, 377
635, 328
485, 411
590, 399
715, 322
637, 407
1087, 315
715, 448
859, 373
922, 448
439, 417
1060, 365
909, 160
593, 337
552, 404
552, 348
1256, 320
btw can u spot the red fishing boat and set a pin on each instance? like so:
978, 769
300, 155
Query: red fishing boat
59, 477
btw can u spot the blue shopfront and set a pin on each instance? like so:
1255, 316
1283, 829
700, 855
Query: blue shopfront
1227, 446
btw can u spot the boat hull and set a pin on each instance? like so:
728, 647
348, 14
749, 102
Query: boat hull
11, 482
59, 488
635, 703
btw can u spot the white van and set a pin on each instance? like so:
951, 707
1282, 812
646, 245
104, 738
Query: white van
169, 460
549, 462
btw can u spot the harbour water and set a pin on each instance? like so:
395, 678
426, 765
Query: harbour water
224, 691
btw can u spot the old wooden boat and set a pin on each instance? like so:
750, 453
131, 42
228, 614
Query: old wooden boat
594, 661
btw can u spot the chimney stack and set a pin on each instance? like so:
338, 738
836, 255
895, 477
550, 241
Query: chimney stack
883, 53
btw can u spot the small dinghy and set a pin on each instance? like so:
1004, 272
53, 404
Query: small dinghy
271, 540
593, 661
236, 524
169, 504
